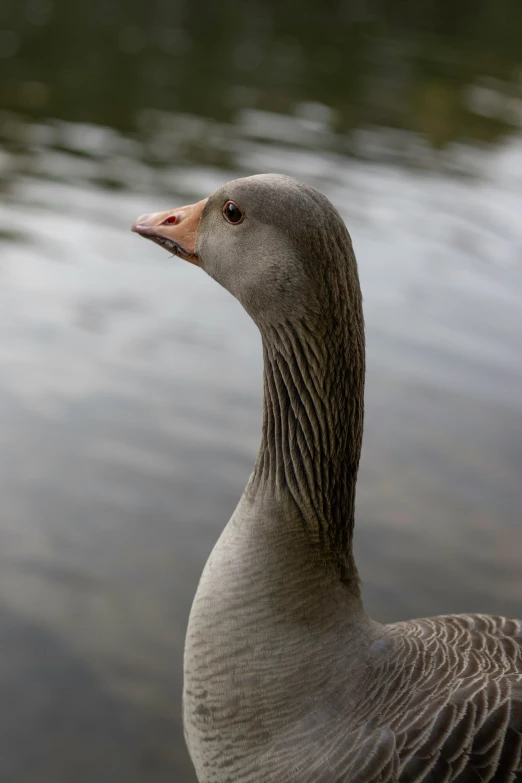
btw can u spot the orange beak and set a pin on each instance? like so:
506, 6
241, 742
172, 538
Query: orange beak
174, 230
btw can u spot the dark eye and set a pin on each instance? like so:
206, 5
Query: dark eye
232, 213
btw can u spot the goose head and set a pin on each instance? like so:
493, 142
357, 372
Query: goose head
273, 242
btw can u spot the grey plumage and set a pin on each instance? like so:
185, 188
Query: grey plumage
287, 680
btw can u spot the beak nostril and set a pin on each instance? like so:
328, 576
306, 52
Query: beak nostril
170, 221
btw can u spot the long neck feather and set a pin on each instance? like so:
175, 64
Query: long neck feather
313, 415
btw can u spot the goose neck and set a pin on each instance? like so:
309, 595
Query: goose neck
312, 428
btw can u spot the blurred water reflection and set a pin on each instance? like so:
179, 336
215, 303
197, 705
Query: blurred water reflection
131, 384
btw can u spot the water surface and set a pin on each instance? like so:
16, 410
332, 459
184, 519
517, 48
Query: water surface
130, 383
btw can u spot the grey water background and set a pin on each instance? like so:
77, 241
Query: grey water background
130, 383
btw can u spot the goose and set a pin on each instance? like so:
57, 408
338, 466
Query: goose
286, 678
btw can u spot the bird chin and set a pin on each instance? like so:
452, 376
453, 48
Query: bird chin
172, 247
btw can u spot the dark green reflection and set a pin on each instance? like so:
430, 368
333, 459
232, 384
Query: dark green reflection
424, 66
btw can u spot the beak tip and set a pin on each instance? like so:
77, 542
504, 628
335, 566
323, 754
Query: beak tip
142, 223
137, 228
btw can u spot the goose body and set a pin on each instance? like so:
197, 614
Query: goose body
287, 680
